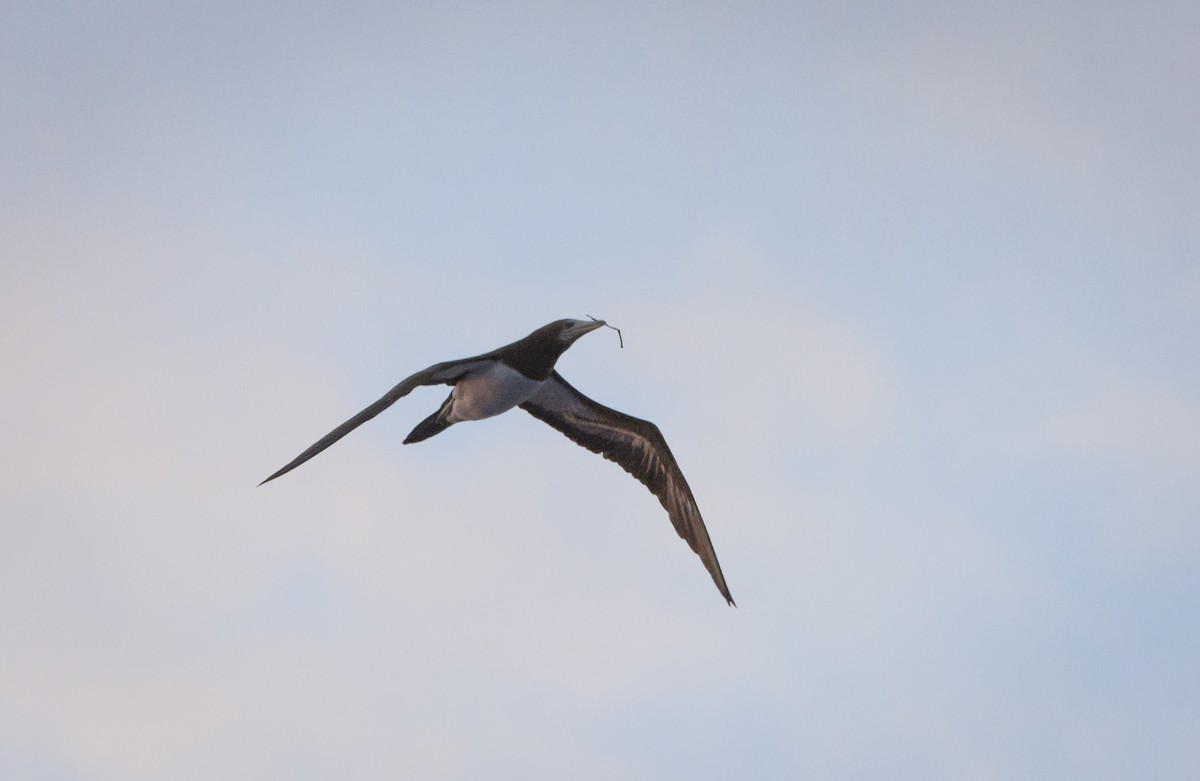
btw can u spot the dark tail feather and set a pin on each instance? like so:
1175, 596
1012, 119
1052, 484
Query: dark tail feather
431, 425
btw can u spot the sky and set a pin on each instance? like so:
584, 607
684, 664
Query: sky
912, 289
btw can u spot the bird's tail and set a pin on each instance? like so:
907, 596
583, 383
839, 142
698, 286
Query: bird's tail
434, 424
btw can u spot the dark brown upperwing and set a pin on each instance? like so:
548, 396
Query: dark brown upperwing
638, 447
445, 373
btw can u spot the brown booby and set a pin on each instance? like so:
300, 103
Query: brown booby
522, 375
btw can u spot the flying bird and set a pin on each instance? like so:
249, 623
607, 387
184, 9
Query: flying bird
522, 375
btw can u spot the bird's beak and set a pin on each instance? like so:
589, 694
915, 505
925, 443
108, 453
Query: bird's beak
576, 331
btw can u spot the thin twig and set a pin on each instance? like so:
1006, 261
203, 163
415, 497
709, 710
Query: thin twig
620, 338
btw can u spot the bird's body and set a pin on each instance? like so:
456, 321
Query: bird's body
489, 391
522, 374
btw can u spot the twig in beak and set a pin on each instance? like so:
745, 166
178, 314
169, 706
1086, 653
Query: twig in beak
620, 338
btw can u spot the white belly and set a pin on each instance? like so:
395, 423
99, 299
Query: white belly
490, 392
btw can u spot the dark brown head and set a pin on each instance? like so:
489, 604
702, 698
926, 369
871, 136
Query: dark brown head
535, 355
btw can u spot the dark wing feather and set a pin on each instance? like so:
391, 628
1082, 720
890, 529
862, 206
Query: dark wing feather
638, 447
446, 373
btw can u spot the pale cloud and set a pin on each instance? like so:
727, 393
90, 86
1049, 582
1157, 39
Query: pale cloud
1085, 106
1146, 438
1131, 423
789, 363
982, 95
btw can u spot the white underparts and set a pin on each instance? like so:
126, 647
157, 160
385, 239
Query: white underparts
489, 391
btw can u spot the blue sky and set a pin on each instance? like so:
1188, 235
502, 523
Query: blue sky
911, 289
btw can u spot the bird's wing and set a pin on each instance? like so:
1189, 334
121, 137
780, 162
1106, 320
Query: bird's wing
638, 447
446, 373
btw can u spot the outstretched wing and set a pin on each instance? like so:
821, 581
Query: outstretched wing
638, 447
446, 373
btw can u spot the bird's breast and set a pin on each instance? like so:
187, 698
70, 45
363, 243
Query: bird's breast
490, 391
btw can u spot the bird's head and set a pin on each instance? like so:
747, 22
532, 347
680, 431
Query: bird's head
535, 355
567, 331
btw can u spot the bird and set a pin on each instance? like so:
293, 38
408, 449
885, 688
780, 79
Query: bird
522, 374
